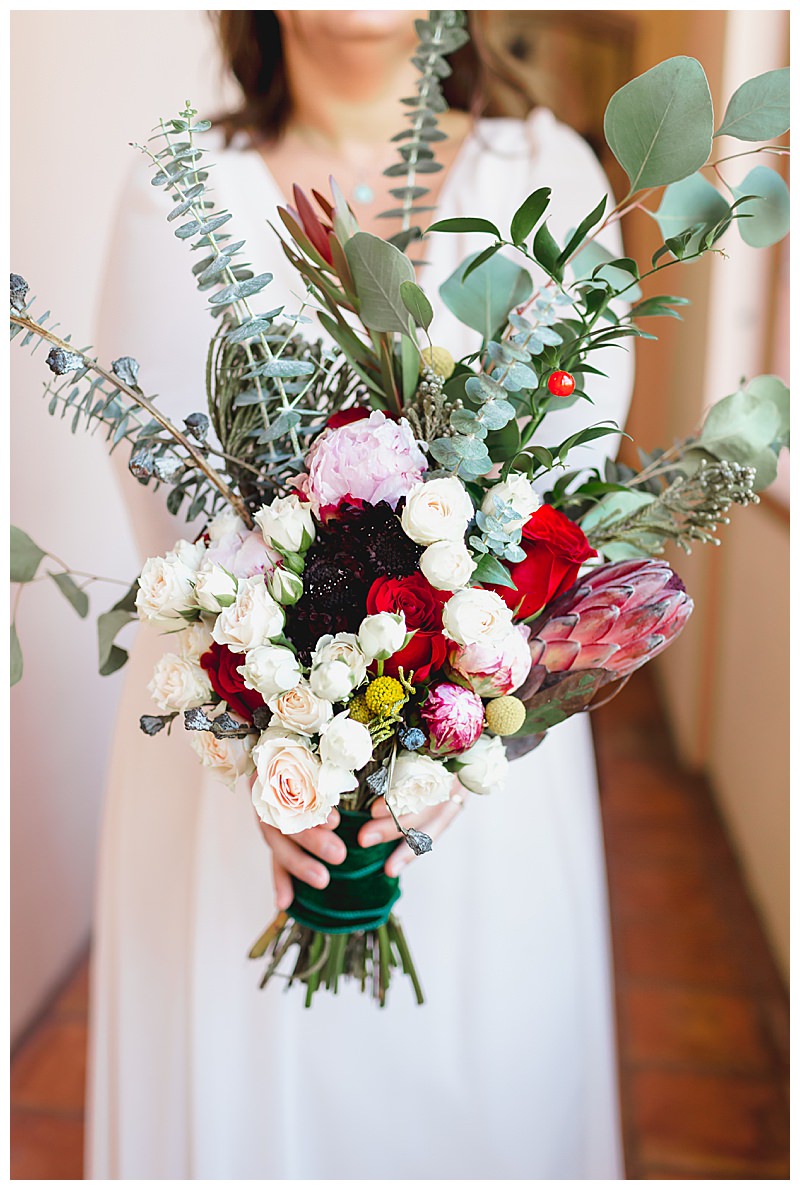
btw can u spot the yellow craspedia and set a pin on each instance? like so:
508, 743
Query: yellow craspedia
505, 715
358, 709
438, 358
383, 695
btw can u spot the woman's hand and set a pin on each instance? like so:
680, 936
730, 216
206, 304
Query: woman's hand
434, 820
293, 855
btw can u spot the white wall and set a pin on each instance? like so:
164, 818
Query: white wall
83, 85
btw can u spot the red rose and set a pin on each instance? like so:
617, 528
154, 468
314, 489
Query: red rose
555, 547
421, 605
344, 417
220, 663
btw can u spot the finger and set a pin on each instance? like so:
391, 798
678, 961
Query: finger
402, 855
383, 829
295, 859
282, 881
379, 808
322, 842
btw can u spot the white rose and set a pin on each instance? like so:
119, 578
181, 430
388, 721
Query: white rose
271, 670
474, 615
418, 781
300, 710
214, 587
346, 743
285, 586
252, 619
382, 635
483, 767
447, 565
165, 590
519, 494
337, 666
227, 759
177, 684
286, 790
194, 641
226, 524
437, 511
191, 553
287, 523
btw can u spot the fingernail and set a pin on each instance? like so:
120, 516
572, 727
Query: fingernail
334, 850
369, 838
333, 818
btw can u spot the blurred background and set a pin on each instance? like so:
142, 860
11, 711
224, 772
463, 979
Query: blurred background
83, 85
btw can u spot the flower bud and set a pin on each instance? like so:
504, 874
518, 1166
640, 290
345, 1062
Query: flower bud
285, 586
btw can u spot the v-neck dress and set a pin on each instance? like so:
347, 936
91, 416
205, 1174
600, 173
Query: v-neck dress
508, 1071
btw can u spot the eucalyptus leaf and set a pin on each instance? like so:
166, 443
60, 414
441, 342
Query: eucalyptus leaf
742, 427
484, 299
378, 270
614, 508
769, 209
71, 592
660, 125
594, 255
108, 626
759, 109
15, 656
691, 201
25, 556
490, 570
416, 303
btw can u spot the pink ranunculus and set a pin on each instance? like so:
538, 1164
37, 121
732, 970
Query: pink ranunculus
495, 667
454, 718
372, 459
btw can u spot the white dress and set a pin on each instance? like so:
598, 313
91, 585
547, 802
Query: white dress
508, 1071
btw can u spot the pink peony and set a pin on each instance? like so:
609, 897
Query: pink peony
494, 667
243, 554
372, 459
454, 718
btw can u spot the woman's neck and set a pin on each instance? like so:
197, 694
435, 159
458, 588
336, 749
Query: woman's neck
358, 103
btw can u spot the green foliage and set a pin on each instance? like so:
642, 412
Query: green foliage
485, 298
15, 657
693, 201
768, 209
379, 269
749, 427
110, 656
25, 556
660, 125
73, 594
439, 35
759, 109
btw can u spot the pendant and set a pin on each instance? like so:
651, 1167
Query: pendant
363, 193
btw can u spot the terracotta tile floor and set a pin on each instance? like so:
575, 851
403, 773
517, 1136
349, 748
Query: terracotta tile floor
702, 1016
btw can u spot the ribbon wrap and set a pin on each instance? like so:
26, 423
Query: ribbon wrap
359, 896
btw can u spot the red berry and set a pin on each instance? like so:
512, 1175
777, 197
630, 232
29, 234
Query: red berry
561, 384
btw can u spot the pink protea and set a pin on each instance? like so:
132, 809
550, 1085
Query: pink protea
453, 717
614, 619
494, 667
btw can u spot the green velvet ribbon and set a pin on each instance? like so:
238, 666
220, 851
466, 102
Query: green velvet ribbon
359, 896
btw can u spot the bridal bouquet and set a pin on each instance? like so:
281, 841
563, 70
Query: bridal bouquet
375, 600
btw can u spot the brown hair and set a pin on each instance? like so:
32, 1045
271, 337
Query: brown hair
252, 50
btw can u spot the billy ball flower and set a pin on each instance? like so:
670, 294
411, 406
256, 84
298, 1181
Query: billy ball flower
384, 696
505, 715
453, 717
